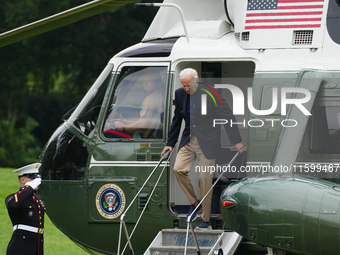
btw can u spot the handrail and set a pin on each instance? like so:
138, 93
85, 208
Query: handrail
167, 156
189, 218
176, 7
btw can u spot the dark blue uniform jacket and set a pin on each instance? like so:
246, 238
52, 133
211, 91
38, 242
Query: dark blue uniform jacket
27, 208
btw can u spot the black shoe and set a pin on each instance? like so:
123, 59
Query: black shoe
191, 209
204, 226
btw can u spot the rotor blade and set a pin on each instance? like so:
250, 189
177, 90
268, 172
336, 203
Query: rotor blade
61, 19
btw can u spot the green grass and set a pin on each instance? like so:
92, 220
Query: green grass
55, 241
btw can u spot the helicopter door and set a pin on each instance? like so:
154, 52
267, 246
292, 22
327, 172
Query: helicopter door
240, 74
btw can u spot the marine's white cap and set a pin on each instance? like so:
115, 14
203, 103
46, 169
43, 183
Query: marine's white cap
28, 170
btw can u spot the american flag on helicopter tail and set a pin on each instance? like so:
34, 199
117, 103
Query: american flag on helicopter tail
276, 14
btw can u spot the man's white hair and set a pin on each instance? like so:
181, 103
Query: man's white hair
188, 72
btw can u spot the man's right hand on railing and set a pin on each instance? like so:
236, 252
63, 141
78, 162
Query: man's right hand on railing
166, 148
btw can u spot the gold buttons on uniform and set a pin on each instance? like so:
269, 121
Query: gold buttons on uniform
30, 213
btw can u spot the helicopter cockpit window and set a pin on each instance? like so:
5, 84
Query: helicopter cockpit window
137, 104
325, 130
86, 114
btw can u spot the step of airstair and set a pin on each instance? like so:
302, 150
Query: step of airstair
172, 242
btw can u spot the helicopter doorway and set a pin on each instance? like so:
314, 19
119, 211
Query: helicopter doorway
237, 73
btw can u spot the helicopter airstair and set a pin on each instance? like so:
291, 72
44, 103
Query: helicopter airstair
180, 241
172, 241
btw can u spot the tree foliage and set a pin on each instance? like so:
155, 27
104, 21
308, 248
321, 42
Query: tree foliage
20, 148
42, 77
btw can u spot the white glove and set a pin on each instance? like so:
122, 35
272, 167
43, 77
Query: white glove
35, 183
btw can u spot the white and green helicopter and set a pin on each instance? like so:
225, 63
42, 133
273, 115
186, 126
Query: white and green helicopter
277, 64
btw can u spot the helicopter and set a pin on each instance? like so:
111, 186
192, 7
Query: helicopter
276, 62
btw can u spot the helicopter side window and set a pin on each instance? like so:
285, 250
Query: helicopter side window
137, 105
86, 114
325, 130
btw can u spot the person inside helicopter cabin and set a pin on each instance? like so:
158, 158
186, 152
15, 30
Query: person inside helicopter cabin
200, 140
26, 211
149, 115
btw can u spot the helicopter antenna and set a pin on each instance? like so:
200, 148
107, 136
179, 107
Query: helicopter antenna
227, 13
175, 6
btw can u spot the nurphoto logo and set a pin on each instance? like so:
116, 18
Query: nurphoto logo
238, 105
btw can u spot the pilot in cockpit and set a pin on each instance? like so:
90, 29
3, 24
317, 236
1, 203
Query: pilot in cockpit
149, 115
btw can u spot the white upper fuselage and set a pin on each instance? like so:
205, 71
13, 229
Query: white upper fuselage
211, 37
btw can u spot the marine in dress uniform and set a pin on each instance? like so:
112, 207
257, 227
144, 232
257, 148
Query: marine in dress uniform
26, 211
